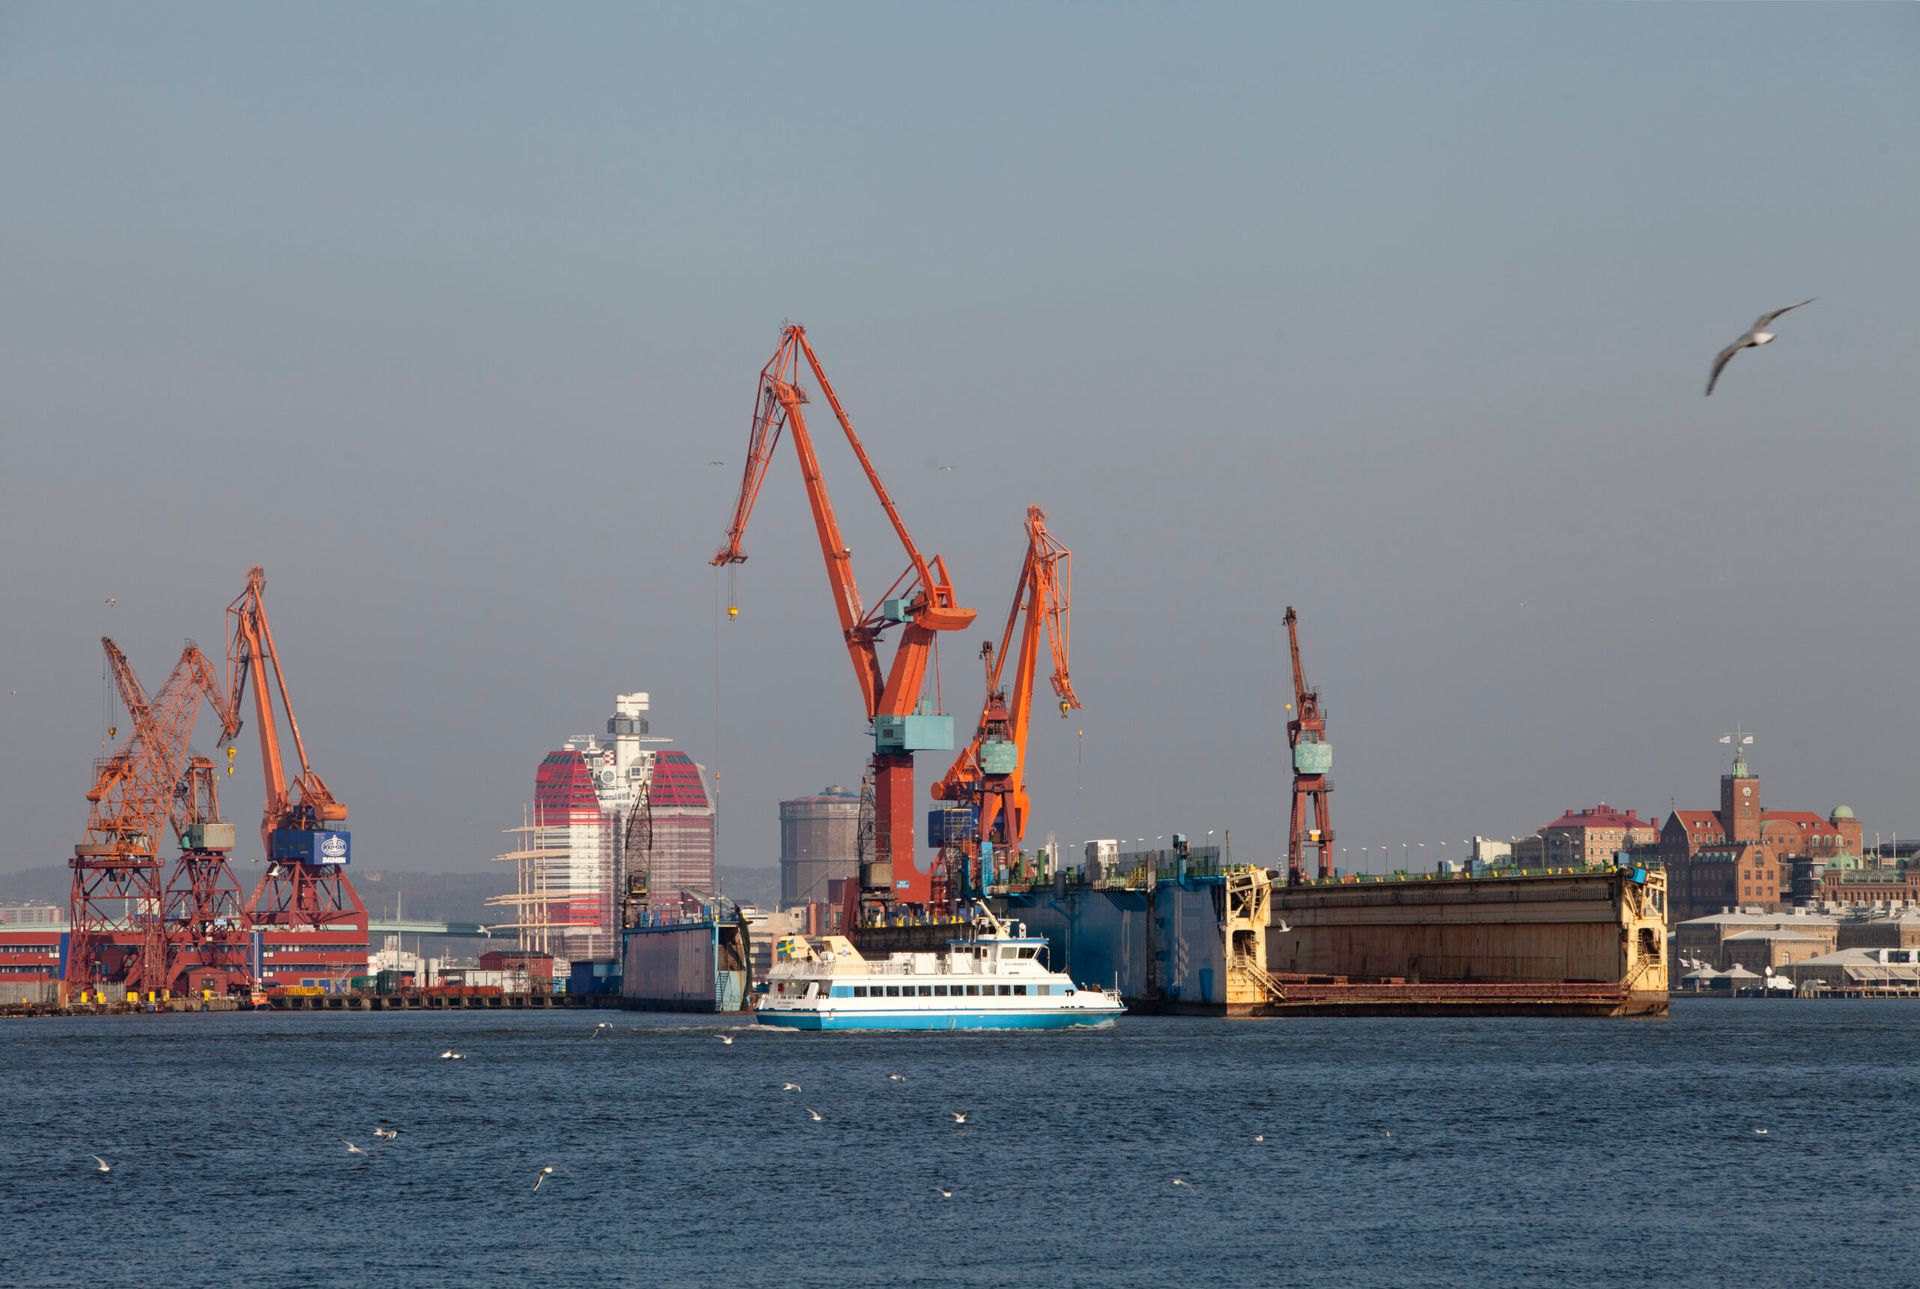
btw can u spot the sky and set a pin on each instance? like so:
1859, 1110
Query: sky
1399, 314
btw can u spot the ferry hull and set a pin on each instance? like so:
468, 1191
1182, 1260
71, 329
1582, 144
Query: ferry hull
936, 1020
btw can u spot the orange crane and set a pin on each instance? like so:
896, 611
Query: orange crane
921, 602
1312, 759
116, 902
987, 781
208, 931
305, 884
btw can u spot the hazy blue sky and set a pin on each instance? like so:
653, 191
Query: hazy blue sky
1399, 314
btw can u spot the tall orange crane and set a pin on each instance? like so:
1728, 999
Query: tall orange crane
208, 930
921, 602
116, 902
306, 883
1312, 759
987, 781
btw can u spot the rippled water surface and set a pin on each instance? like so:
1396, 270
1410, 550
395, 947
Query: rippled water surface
1396, 1152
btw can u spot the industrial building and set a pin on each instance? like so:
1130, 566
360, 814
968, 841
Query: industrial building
566, 900
819, 843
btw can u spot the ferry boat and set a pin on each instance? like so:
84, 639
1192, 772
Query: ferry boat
995, 979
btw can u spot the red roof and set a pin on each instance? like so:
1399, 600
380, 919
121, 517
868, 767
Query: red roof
563, 790
1600, 816
1698, 819
676, 782
1805, 818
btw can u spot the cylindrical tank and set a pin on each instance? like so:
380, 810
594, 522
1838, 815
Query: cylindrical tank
819, 842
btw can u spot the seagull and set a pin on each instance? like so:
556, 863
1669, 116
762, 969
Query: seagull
958, 1117
1759, 1132
896, 1078
105, 1167
451, 1055
727, 1039
1259, 1137
544, 1174
946, 467
716, 463
386, 1134
600, 1028
791, 1087
1181, 1181
112, 600
353, 1149
1756, 335
944, 1192
813, 1114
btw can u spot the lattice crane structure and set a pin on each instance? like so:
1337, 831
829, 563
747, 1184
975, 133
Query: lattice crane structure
1312, 760
987, 781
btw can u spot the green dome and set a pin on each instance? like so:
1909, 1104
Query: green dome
1842, 812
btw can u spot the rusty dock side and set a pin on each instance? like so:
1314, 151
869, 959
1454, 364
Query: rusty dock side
1589, 942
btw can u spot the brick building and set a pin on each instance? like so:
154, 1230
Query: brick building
1741, 855
1583, 837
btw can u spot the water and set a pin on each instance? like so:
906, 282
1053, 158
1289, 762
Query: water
1397, 1152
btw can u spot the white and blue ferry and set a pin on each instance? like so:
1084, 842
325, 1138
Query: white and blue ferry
995, 979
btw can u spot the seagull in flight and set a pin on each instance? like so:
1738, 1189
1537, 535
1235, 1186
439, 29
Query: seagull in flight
726, 1038
1756, 335
353, 1149
1181, 1181
944, 1192
386, 1134
716, 463
601, 1028
112, 600
1759, 1132
896, 1078
451, 1055
545, 1173
104, 1167
791, 1087
957, 1116
1258, 1137
813, 1114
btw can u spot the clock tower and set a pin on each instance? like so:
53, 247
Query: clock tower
1740, 801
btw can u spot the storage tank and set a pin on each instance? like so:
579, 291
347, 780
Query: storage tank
819, 843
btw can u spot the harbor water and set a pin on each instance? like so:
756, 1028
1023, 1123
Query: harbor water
1396, 1152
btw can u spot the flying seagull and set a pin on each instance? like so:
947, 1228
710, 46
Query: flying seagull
545, 1173
601, 1028
1759, 1132
112, 600
1258, 1137
451, 1055
353, 1149
944, 1192
813, 1114
1181, 1181
896, 1078
105, 1167
386, 1134
958, 1117
790, 1087
726, 1038
1756, 335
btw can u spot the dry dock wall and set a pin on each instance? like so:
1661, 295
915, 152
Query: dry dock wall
1601, 927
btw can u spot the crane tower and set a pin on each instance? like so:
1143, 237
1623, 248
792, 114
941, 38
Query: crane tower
1312, 759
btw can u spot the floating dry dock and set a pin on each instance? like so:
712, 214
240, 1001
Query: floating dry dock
1588, 942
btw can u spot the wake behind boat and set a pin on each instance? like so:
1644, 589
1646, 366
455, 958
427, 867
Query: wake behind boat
996, 979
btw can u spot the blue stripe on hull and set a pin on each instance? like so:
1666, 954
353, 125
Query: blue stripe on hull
934, 1020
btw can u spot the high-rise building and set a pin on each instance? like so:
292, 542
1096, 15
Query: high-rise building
583, 792
819, 842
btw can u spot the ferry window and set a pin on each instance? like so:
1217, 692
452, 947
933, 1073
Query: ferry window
1043, 990
1006, 990
1020, 991
859, 991
926, 991
893, 991
973, 991
939, 991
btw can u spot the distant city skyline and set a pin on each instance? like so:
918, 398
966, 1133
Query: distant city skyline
1397, 314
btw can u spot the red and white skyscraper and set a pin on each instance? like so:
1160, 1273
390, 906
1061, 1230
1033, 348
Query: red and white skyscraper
582, 794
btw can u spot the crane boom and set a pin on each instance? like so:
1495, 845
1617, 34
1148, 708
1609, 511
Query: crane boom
921, 601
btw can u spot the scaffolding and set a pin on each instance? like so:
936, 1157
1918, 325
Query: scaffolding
530, 904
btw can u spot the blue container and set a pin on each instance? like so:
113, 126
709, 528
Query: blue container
950, 823
309, 846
